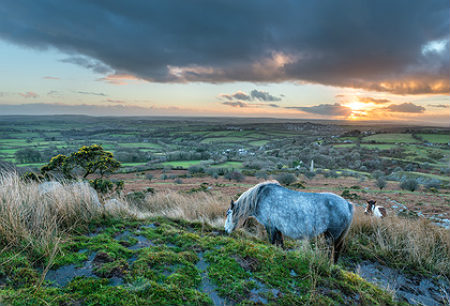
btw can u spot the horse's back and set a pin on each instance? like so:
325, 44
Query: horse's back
301, 214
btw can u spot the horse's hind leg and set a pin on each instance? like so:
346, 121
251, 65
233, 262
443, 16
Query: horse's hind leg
331, 246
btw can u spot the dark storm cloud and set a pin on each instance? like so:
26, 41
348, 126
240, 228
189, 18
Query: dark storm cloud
324, 109
394, 46
94, 65
405, 108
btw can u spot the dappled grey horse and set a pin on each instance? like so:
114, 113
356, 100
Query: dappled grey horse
295, 214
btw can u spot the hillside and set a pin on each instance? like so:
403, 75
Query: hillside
164, 261
61, 248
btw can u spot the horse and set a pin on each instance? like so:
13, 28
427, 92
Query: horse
295, 214
375, 210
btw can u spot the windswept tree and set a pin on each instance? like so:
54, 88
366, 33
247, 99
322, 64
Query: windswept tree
89, 159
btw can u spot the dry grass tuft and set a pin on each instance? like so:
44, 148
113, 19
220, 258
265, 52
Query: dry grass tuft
37, 222
414, 242
29, 219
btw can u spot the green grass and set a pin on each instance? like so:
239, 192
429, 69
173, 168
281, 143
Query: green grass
229, 164
182, 163
259, 142
412, 174
435, 138
170, 271
140, 145
225, 139
391, 138
378, 146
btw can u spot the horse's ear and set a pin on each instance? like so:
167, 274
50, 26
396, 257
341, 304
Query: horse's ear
232, 204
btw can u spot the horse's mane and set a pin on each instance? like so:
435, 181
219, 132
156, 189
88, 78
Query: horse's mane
248, 201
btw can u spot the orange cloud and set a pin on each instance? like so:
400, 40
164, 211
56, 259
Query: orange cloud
119, 79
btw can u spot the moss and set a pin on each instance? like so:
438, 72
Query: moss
245, 270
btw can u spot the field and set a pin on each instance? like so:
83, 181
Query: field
390, 138
179, 178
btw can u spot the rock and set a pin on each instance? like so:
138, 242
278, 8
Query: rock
83, 187
113, 204
47, 187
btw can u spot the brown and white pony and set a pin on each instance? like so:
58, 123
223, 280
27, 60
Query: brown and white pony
375, 210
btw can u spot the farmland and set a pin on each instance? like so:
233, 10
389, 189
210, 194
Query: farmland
189, 169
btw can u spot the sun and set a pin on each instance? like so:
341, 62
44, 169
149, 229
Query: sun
359, 109
356, 106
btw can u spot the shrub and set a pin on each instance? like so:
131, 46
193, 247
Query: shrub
381, 182
262, 175
178, 181
32, 177
235, 175
349, 195
90, 159
409, 184
377, 174
433, 183
331, 173
196, 169
286, 178
310, 174
149, 176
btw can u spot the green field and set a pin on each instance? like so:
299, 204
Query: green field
182, 163
225, 139
391, 138
435, 138
230, 164
259, 142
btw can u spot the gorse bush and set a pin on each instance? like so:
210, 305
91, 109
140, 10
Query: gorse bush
286, 178
381, 182
89, 159
409, 184
235, 176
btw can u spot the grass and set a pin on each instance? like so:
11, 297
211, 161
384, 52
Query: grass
229, 164
391, 138
416, 246
378, 146
182, 163
225, 139
259, 142
39, 232
435, 138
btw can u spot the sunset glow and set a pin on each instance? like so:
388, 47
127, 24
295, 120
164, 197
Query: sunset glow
146, 67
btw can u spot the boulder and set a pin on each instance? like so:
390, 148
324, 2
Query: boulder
49, 187
83, 187
113, 204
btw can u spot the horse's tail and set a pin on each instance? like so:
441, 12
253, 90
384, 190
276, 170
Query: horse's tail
351, 209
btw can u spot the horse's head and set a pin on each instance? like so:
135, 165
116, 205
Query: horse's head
232, 220
370, 207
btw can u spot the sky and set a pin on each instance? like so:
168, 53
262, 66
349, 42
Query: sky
343, 60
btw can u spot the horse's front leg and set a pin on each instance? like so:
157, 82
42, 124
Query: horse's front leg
275, 236
279, 239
